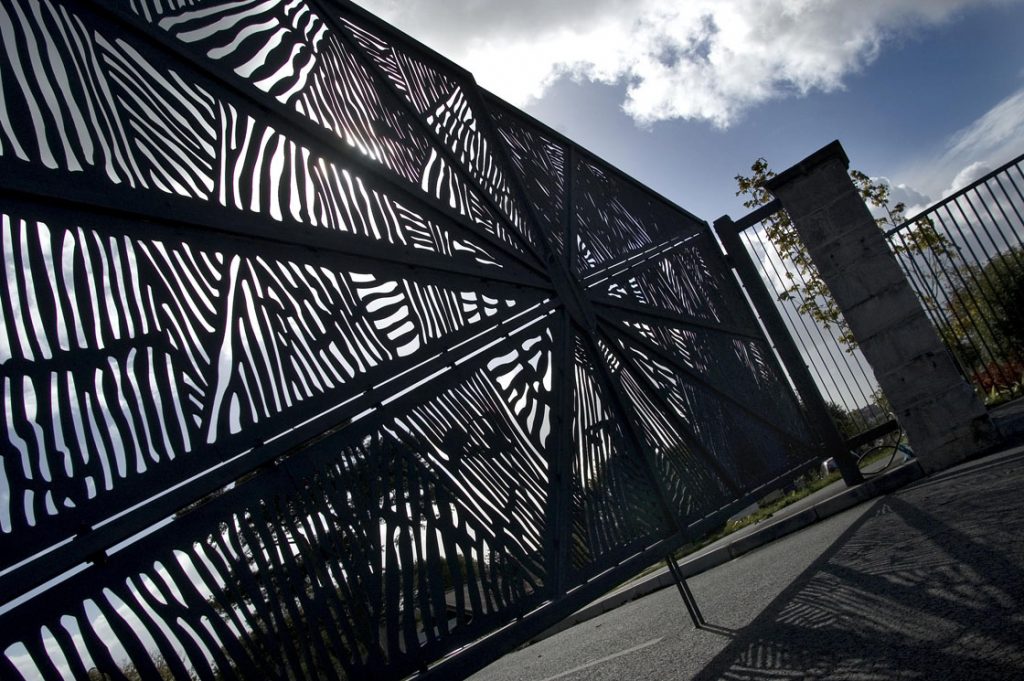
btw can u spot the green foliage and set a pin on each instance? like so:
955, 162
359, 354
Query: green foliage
805, 488
1004, 393
985, 316
802, 282
131, 672
984, 325
844, 420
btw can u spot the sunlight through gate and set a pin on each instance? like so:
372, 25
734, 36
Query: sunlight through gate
319, 361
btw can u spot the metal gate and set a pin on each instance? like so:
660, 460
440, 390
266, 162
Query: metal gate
319, 361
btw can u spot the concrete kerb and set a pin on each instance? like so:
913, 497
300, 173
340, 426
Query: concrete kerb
728, 550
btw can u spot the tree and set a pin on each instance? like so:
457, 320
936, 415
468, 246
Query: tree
844, 420
986, 328
805, 284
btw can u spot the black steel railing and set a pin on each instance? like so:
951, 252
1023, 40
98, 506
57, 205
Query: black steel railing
839, 370
965, 260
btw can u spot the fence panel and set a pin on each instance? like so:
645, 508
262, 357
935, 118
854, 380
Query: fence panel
970, 277
843, 376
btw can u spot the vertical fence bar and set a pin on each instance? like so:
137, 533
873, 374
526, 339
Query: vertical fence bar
793, 362
975, 290
797, 321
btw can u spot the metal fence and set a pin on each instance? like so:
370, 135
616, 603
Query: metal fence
839, 370
320, 362
964, 259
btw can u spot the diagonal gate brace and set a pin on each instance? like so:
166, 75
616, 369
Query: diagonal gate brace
684, 590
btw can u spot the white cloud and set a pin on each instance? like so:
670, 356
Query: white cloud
905, 194
1003, 124
913, 201
988, 142
995, 137
701, 59
968, 175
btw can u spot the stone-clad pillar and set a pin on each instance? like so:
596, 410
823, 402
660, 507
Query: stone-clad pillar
940, 413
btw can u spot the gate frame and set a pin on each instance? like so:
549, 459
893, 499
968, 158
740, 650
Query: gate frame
91, 545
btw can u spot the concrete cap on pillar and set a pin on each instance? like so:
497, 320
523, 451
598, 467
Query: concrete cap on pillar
832, 150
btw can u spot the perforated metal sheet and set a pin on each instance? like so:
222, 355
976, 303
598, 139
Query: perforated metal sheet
319, 361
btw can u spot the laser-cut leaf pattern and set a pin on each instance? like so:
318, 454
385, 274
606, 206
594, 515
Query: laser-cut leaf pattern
319, 362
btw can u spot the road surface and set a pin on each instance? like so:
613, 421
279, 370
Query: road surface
927, 583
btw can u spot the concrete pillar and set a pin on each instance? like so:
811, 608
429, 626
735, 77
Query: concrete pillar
940, 413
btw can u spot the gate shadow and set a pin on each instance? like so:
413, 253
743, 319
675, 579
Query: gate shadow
926, 584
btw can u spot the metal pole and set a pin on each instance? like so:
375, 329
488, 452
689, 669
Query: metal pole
793, 362
684, 590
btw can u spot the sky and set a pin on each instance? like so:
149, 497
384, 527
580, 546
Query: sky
928, 94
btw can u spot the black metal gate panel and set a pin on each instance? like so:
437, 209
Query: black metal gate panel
318, 361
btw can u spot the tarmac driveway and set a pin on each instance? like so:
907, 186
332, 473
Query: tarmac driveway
927, 583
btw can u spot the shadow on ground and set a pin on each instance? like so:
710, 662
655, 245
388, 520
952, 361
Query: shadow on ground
928, 584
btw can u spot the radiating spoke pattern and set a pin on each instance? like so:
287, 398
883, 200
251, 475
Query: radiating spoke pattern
317, 361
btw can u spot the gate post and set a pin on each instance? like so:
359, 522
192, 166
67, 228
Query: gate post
943, 418
792, 360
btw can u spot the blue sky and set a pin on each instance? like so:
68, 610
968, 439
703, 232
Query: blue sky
683, 95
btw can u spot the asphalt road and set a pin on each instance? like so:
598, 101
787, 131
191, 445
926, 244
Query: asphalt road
927, 583
794, 508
